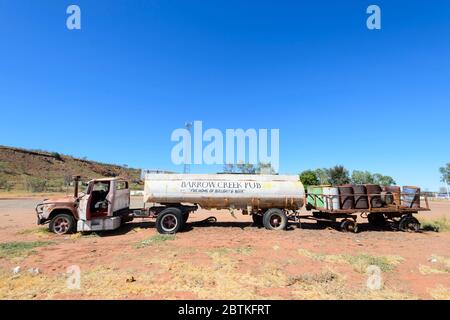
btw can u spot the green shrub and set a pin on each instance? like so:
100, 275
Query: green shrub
36, 185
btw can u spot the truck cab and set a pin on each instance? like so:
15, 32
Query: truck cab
105, 205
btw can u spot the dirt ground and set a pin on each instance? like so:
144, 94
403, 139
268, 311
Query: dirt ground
230, 259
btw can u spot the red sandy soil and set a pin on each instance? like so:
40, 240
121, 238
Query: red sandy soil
251, 251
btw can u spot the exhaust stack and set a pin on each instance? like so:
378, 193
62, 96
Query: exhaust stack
76, 179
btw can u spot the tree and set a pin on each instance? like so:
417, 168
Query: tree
445, 177
383, 180
309, 178
322, 175
265, 168
247, 168
229, 168
338, 175
361, 177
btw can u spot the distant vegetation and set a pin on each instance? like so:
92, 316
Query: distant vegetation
247, 168
445, 176
339, 175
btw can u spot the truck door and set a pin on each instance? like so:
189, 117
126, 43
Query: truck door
121, 198
83, 206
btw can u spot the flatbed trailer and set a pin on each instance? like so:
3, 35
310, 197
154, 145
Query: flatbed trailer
399, 216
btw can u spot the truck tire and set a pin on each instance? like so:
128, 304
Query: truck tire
170, 221
62, 224
275, 219
185, 217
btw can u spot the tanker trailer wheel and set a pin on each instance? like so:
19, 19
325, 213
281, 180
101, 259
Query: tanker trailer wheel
169, 221
257, 220
62, 224
376, 219
275, 219
409, 224
348, 225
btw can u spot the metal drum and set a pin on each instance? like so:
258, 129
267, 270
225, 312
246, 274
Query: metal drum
360, 194
315, 197
346, 197
411, 197
331, 195
374, 194
391, 195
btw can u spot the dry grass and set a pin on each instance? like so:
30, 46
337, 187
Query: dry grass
440, 266
219, 276
440, 293
40, 232
360, 262
27, 286
440, 225
155, 240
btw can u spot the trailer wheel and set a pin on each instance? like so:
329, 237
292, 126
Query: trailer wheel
409, 224
257, 220
376, 219
275, 219
62, 224
348, 225
169, 221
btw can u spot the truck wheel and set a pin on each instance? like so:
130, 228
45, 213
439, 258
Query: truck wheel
257, 220
62, 224
169, 221
409, 224
348, 225
275, 219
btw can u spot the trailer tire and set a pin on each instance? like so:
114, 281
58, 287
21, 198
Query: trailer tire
170, 221
409, 224
275, 219
348, 225
62, 224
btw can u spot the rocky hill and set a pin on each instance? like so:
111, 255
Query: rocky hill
39, 171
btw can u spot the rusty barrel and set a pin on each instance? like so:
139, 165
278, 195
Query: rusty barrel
411, 197
346, 197
374, 194
391, 195
360, 195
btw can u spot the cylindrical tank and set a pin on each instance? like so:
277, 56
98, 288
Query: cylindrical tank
374, 194
391, 194
315, 197
346, 197
331, 198
224, 191
411, 197
361, 200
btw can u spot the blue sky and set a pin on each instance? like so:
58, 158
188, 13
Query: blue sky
339, 93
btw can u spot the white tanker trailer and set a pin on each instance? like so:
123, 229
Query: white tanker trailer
270, 199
